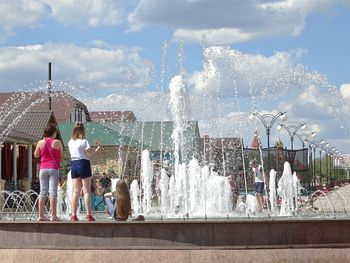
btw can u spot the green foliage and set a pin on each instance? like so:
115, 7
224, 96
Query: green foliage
65, 162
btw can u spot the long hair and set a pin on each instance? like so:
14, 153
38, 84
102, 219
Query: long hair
123, 203
78, 131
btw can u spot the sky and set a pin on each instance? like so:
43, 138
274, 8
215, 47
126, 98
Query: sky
236, 57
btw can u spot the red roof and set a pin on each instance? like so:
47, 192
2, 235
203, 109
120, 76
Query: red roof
255, 142
112, 116
27, 126
225, 143
62, 104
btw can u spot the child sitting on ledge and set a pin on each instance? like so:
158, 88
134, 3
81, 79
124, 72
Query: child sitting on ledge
118, 202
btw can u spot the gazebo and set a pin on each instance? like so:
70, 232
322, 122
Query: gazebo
19, 133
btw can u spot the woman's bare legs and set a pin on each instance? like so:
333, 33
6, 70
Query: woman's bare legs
42, 216
260, 201
77, 184
87, 191
53, 206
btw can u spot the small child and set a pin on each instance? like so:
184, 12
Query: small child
242, 204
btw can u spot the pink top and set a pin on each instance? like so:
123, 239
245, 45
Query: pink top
50, 157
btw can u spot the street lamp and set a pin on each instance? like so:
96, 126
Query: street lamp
268, 125
292, 131
319, 145
304, 137
338, 163
329, 164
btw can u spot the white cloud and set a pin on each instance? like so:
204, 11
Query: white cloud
148, 105
232, 83
221, 35
237, 20
310, 101
112, 68
226, 22
345, 91
87, 12
19, 13
82, 13
249, 75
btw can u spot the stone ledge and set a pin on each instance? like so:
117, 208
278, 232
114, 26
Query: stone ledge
176, 235
176, 256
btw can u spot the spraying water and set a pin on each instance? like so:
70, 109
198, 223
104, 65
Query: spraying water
146, 179
273, 193
296, 187
134, 194
286, 191
179, 110
164, 188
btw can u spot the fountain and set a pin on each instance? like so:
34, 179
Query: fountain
195, 206
196, 191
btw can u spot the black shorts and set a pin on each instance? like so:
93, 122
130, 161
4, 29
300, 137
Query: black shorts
81, 169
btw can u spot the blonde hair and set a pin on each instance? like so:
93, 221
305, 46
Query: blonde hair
123, 202
78, 131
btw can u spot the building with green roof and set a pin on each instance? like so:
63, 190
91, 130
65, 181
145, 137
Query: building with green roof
119, 152
156, 137
123, 143
97, 132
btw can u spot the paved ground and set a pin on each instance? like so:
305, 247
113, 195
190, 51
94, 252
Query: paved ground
338, 199
177, 256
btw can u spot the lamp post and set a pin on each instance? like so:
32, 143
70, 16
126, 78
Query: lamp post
338, 163
335, 163
323, 149
268, 125
304, 137
331, 162
327, 162
292, 131
314, 166
319, 145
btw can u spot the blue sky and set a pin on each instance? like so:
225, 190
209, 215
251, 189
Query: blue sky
259, 55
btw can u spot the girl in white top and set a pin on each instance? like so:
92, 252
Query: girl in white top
80, 151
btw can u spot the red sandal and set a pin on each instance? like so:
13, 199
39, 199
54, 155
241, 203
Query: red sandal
90, 218
43, 218
74, 218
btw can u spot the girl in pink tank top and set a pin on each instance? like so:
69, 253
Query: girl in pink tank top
49, 150
50, 157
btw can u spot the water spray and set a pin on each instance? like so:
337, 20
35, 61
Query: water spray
263, 169
244, 170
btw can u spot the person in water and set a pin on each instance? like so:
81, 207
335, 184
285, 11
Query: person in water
259, 177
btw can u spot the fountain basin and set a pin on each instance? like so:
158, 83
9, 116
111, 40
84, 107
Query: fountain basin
259, 233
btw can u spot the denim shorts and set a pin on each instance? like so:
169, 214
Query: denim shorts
259, 187
80, 169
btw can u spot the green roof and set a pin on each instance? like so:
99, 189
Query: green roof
95, 131
156, 135
136, 134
